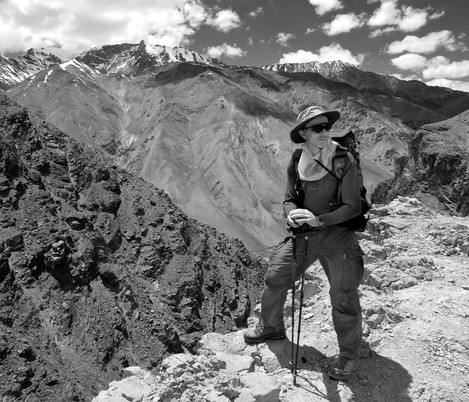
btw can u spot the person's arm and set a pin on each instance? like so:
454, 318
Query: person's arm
293, 209
291, 200
350, 196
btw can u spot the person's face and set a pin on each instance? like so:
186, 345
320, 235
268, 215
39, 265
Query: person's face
316, 135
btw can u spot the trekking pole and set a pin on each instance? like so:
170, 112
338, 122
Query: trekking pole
303, 269
293, 363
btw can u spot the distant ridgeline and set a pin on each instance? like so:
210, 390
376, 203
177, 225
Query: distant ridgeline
215, 137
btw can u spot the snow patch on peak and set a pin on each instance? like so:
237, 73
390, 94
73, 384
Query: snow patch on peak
16, 69
47, 76
139, 58
166, 54
154, 49
74, 64
326, 69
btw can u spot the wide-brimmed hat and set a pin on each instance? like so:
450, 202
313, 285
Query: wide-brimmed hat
309, 114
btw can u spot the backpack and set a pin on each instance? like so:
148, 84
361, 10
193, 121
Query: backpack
347, 143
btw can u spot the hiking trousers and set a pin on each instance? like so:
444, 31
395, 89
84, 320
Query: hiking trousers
341, 257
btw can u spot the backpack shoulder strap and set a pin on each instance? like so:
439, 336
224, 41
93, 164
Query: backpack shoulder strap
296, 155
296, 159
339, 161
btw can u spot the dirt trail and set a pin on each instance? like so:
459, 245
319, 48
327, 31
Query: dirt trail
415, 301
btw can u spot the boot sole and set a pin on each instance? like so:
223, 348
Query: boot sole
339, 377
254, 341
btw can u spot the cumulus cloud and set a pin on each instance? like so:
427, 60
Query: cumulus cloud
256, 12
453, 84
410, 61
77, 26
225, 50
378, 32
326, 53
437, 71
225, 20
406, 77
412, 19
391, 16
386, 14
194, 13
80, 25
441, 67
283, 38
324, 6
343, 23
426, 44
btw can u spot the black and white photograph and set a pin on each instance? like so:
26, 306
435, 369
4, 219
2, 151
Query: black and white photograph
234, 201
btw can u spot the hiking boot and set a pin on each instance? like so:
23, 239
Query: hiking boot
260, 334
343, 368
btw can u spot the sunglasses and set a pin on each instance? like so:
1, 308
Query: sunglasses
317, 128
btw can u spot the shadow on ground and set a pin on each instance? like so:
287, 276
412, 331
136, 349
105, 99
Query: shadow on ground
378, 378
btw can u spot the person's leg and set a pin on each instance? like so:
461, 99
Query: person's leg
345, 272
278, 280
344, 269
276, 283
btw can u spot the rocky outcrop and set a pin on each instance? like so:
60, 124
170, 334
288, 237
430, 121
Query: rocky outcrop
437, 169
414, 298
224, 369
99, 270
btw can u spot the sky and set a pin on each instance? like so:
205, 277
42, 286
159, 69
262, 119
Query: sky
410, 39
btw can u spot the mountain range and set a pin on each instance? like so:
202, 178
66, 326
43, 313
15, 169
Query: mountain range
102, 272
15, 70
215, 137
443, 101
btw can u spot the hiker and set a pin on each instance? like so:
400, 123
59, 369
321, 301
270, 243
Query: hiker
318, 236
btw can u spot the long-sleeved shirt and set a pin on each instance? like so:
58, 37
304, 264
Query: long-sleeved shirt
320, 196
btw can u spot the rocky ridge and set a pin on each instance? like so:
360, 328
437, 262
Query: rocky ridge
99, 270
415, 301
17, 69
191, 128
441, 101
134, 59
189, 125
437, 168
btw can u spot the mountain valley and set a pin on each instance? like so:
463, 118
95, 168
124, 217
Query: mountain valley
99, 270
141, 194
221, 129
